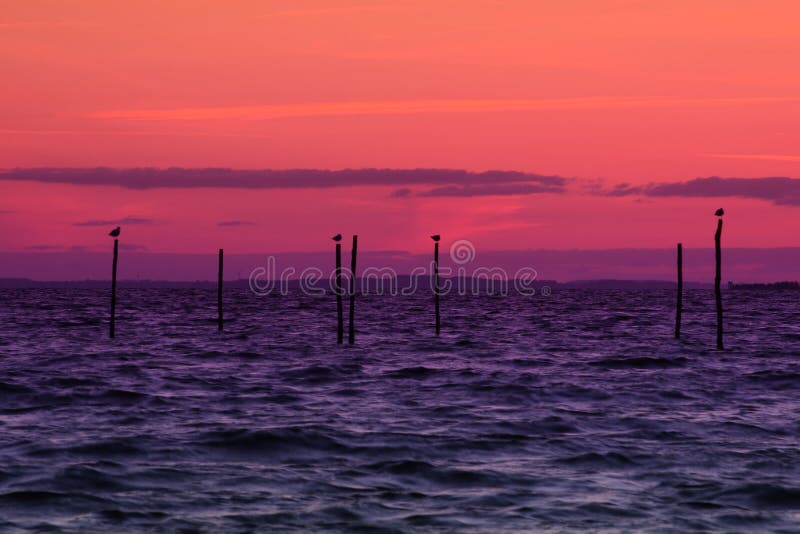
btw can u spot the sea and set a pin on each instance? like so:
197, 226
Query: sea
568, 412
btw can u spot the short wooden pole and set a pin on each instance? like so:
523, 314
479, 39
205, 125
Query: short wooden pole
339, 306
352, 329
679, 304
219, 292
436, 286
718, 282
112, 323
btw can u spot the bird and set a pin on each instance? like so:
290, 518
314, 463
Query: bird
720, 212
114, 232
436, 237
337, 237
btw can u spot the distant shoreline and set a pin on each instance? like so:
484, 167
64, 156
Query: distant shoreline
423, 283
25, 283
774, 286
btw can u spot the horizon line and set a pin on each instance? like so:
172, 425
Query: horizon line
214, 250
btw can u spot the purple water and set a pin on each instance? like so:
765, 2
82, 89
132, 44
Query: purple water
573, 411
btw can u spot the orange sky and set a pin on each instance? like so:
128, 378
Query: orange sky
620, 90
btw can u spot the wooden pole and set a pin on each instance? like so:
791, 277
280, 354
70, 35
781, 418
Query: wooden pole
339, 307
219, 293
436, 286
352, 330
718, 282
679, 306
111, 324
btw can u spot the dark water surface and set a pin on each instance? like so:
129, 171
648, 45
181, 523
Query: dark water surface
567, 412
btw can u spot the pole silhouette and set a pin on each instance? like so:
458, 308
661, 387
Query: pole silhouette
351, 333
339, 307
718, 279
111, 324
219, 293
679, 306
436, 282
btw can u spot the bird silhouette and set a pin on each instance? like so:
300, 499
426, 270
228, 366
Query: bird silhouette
337, 237
436, 237
720, 212
114, 232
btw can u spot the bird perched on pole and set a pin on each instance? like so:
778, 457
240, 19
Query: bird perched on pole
720, 212
114, 232
436, 237
337, 237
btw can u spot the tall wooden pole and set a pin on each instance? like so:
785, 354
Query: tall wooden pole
436, 286
718, 281
339, 307
219, 293
679, 306
111, 324
352, 329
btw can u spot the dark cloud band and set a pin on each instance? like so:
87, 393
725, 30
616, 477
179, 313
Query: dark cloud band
779, 190
149, 178
109, 222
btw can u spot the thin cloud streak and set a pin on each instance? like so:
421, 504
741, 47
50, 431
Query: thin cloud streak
329, 10
768, 157
404, 192
229, 224
407, 107
134, 133
47, 24
110, 222
781, 191
492, 190
150, 178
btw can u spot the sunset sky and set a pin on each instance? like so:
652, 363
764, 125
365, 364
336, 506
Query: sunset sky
610, 108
